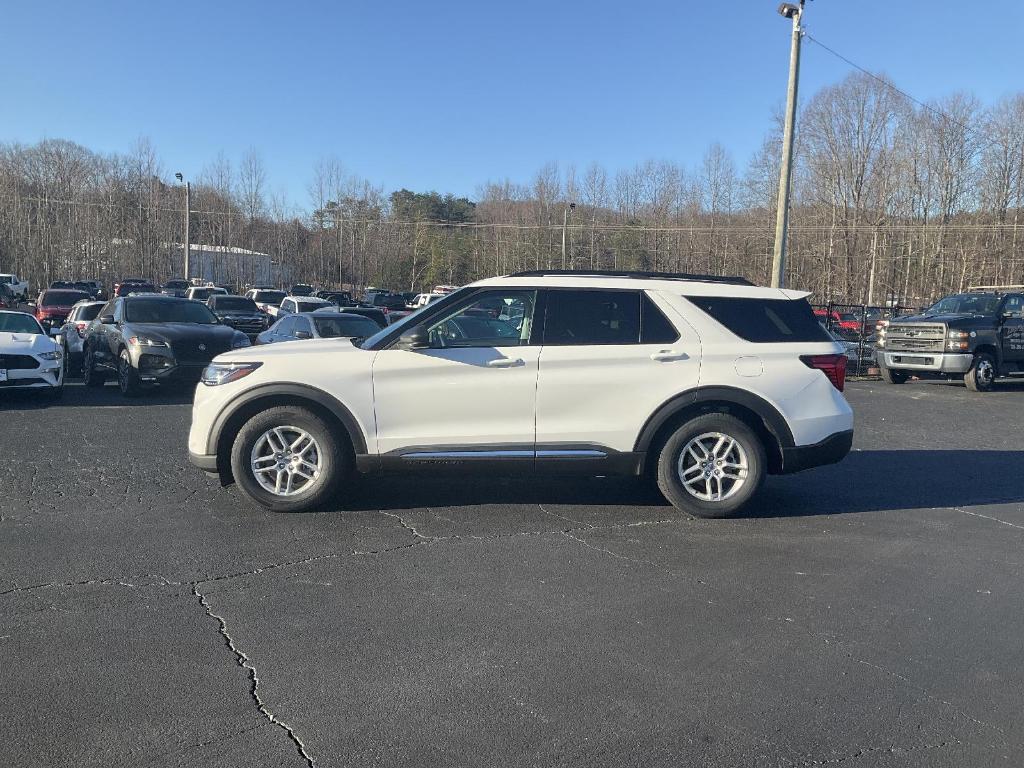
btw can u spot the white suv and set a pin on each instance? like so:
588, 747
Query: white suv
707, 383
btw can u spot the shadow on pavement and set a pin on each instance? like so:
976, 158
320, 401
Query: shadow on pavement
866, 481
77, 395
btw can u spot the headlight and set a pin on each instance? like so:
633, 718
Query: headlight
240, 340
958, 334
54, 355
216, 374
145, 341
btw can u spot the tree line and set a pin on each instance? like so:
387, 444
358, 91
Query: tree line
892, 200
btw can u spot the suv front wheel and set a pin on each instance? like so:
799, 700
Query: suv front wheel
711, 466
288, 459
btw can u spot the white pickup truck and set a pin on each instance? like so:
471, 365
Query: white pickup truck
18, 287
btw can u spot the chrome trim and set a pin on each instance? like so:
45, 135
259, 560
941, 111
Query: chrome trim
508, 454
469, 455
572, 454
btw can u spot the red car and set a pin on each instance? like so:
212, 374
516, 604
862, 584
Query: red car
844, 321
54, 305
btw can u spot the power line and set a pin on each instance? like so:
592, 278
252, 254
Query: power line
971, 129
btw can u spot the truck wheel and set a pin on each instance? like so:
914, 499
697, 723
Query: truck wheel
711, 466
982, 376
889, 376
288, 459
93, 378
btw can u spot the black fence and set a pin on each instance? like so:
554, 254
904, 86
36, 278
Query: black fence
855, 326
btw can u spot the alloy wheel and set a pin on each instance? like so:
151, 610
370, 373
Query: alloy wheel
286, 461
713, 466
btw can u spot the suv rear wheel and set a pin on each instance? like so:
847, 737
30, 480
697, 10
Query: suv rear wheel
711, 466
982, 376
92, 377
289, 459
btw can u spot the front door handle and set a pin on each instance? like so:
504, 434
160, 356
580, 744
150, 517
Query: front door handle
668, 355
505, 362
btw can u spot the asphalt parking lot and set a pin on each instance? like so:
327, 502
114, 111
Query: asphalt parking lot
867, 614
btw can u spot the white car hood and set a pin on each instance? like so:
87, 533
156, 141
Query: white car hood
25, 343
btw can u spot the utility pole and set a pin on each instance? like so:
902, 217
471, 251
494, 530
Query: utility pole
794, 12
565, 224
188, 211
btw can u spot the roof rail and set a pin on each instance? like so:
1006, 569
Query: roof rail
636, 275
995, 288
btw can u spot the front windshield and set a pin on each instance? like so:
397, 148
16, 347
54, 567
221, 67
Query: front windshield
62, 298
411, 320
19, 322
163, 311
234, 303
965, 304
270, 297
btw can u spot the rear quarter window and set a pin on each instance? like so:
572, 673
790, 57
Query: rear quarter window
763, 321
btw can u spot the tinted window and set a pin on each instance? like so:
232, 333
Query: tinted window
89, 311
19, 322
285, 327
655, 328
238, 303
273, 298
308, 305
163, 311
62, 298
334, 327
764, 321
592, 317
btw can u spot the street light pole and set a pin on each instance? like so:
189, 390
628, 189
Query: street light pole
794, 12
565, 224
188, 217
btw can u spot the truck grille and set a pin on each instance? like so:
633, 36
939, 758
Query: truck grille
245, 325
18, 362
915, 337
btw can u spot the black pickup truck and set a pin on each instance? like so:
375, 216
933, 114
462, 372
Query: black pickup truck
977, 336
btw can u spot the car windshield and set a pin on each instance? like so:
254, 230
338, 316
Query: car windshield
274, 298
19, 322
234, 303
201, 293
348, 325
307, 305
965, 304
163, 311
62, 298
176, 284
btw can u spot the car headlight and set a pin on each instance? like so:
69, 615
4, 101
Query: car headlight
216, 374
240, 340
54, 355
145, 341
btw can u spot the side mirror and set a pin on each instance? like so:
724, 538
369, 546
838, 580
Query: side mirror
415, 338
303, 335
106, 319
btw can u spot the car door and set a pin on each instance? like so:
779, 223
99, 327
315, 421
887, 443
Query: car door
472, 391
1011, 333
609, 359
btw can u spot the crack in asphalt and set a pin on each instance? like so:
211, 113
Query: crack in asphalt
254, 693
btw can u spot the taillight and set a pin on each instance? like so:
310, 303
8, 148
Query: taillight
80, 327
833, 366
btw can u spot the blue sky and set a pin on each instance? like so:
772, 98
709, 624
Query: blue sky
448, 95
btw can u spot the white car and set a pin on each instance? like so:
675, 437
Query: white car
18, 287
29, 358
204, 292
292, 304
424, 299
707, 384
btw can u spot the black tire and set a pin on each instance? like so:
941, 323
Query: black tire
671, 484
335, 452
127, 377
92, 377
889, 376
982, 376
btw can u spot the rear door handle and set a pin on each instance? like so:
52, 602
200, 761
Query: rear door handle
668, 355
505, 362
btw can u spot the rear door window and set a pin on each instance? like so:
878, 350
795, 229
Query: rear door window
764, 321
585, 317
